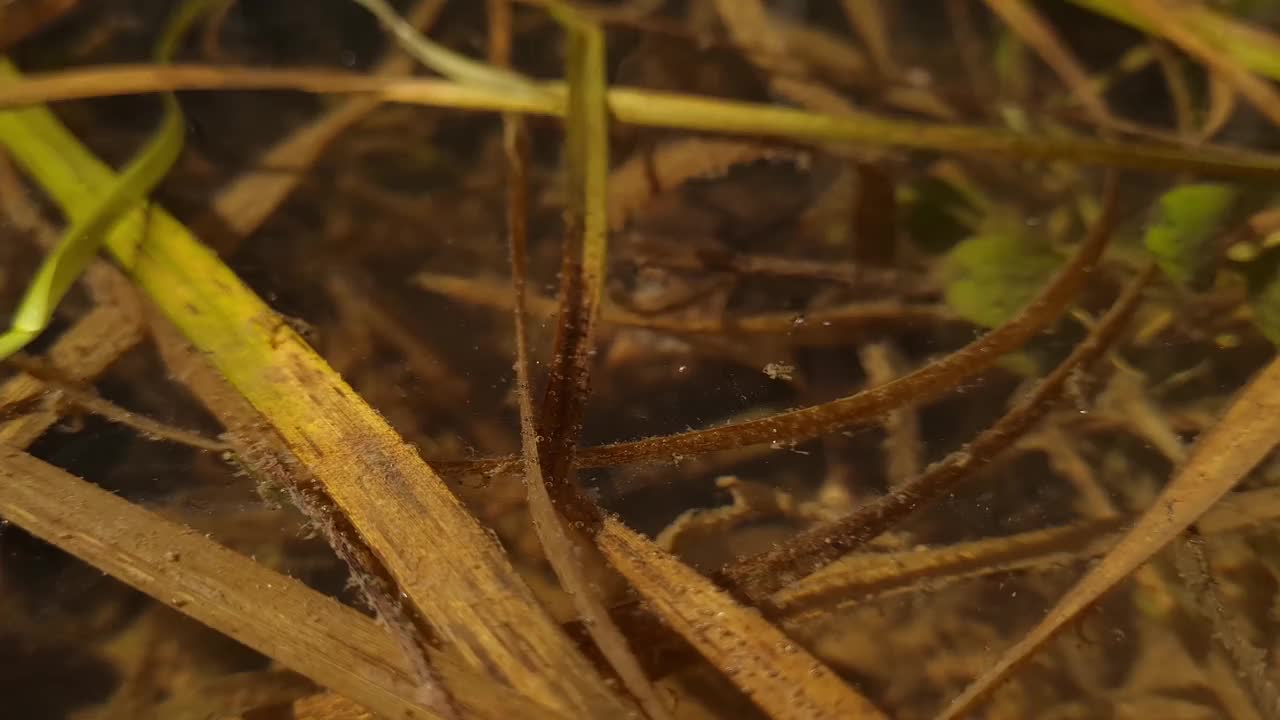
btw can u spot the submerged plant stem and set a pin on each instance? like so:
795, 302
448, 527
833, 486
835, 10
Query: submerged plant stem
653, 109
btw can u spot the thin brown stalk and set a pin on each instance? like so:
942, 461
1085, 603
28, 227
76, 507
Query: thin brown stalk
859, 578
81, 354
902, 445
827, 326
924, 384
565, 550
1023, 19
821, 545
677, 255
91, 402
750, 501
1221, 107
582, 270
1172, 67
870, 21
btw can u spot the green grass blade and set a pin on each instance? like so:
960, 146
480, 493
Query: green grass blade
454, 66
80, 242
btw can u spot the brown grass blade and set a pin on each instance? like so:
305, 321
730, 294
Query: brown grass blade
1221, 104
88, 400
1247, 432
260, 452
332, 644
765, 44
931, 381
1022, 18
780, 677
861, 577
1169, 22
821, 545
753, 31
645, 175
857, 579
565, 550
869, 20
249, 200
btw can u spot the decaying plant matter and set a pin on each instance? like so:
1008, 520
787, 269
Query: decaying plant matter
640, 359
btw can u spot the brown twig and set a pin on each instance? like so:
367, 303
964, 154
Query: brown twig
1165, 20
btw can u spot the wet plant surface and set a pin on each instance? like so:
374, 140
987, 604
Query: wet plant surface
845, 403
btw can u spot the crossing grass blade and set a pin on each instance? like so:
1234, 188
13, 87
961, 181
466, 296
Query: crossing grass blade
82, 239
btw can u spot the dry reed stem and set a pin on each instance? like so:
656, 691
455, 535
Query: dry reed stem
277, 616
778, 675
648, 108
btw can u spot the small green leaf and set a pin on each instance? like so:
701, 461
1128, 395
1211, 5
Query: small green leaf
990, 277
1186, 224
1262, 277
